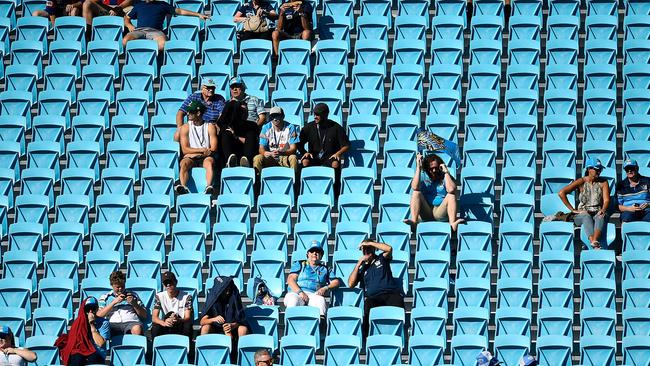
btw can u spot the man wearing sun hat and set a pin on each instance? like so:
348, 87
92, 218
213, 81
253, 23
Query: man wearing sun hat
310, 281
278, 143
212, 101
633, 194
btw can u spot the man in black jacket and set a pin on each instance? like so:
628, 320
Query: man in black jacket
327, 140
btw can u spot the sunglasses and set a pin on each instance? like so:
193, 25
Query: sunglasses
168, 283
235, 86
630, 170
92, 308
276, 117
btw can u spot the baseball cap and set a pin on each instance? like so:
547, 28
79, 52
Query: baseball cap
169, 277
209, 83
237, 80
485, 358
630, 163
528, 360
91, 302
195, 106
321, 109
316, 248
275, 111
593, 164
4, 331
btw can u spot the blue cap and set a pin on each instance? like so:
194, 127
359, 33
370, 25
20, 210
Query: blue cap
528, 360
237, 80
485, 358
4, 331
630, 163
594, 164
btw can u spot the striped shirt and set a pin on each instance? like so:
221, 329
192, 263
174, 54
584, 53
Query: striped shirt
628, 195
213, 107
255, 107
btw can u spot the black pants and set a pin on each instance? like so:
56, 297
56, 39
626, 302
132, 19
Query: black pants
232, 145
386, 299
181, 328
244, 35
80, 360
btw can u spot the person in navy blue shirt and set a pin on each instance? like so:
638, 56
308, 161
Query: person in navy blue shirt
59, 8
260, 8
633, 194
294, 22
374, 274
151, 15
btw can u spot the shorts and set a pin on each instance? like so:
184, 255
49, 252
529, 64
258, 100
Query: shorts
147, 33
197, 161
124, 327
315, 161
439, 212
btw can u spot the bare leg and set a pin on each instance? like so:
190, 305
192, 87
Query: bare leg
137, 330
205, 329
275, 38
452, 210
208, 164
420, 208
40, 13
186, 167
161, 43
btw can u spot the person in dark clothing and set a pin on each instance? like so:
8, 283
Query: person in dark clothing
379, 286
85, 344
260, 8
223, 312
59, 8
327, 140
294, 22
175, 306
239, 138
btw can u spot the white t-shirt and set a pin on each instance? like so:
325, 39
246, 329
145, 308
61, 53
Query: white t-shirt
178, 304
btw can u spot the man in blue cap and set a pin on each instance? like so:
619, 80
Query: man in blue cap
633, 195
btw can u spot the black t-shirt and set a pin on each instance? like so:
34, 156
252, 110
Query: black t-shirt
328, 137
377, 277
248, 9
292, 23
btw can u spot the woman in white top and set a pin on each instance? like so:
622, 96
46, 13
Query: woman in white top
12, 356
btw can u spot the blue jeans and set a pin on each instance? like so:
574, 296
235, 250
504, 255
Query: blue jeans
590, 222
630, 216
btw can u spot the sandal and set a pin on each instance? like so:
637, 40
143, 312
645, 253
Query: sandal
595, 245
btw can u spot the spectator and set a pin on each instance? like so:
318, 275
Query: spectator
223, 312
256, 112
633, 194
262, 357
172, 310
85, 343
294, 22
593, 200
278, 143
434, 193
256, 16
13, 356
238, 136
327, 140
150, 15
212, 101
122, 308
59, 8
310, 281
198, 145
98, 8
379, 286
485, 358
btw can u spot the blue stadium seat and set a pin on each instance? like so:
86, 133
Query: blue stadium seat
212, 348
486, 27
10, 154
56, 292
603, 27
521, 52
409, 52
430, 292
554, 350
220, 27
481, 127
600, 52
598, 293
22, 77
8, 12
383, 349
412, 21
514, 292
70, 29
187, 264
428, 321
132, 349
512, 321
471, 320
355, 207
238, 180
518, 180
12, 130
32, 28
480, 154
342, 349
291, 78
144, 264
635, 349
134, 103
98, 77
18, 104
271, 236
176, 77
113, 208
517, 208
21, 264
599, 128
525, 27
142, 52
445, 77
521, 103
515, 264
119, 181
597, 322
185, 28
394, 207
515, 236
297, 350
464, 348
228, 263
596, 264
188, 235
334, 50
230, 208
377, 8
600, 348
78, 181
32, 209
62, 264
635, 264
43, 346
635, 322
107, 236
449, 8
634, 294
55, 103
256, 52
268, 264
101, 263
370, 52
94, 103
83, 156
511, 348
478, 183
149, 236
601, 7
364, 142
66, 53
229, 236
50, 128
249, 344
522, 77
485, 52
153, 208
264, 319
387, 320
555, 264
294, 52
104, 53
635, 28
473, 292
38, 181
475, 236
473, 264
563, 28
67, 236
163, 127
561, 53
95, 287
14, 318
138, 78
330, 77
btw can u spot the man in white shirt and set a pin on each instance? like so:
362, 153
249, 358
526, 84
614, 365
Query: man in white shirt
278, 141
172, 309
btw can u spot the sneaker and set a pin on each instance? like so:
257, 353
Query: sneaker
232, 161
181, 189
243, 162
209, 190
